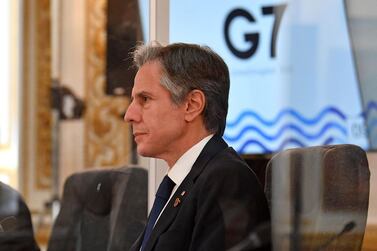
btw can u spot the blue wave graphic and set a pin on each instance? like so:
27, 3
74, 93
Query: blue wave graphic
286, 127
284, 144
286, 112
372, 105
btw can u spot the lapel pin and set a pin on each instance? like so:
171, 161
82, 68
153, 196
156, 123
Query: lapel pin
176, 202
183, 193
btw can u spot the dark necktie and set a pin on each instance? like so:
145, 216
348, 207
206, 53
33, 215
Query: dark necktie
162, 196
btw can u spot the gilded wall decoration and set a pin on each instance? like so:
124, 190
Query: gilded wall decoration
107, 139
43, 120
35, 134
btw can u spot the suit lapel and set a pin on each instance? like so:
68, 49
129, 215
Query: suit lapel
215, 145
137, 244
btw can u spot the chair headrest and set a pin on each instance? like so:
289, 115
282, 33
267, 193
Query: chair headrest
99, 194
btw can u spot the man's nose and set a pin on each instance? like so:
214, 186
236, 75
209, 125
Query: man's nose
131, 113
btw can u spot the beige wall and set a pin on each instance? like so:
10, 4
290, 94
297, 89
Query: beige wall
73, 39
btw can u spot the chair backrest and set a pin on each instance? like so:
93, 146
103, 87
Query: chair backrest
16, 229
101, 210
318, 197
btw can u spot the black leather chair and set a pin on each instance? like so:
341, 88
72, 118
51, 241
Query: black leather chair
318, 197
101, 210
16, 229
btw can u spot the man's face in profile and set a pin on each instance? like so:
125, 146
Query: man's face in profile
157, 123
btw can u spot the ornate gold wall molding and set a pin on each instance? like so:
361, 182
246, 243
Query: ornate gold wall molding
35, 162
43, 82
107, 139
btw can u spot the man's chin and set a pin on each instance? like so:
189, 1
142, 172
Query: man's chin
144, 152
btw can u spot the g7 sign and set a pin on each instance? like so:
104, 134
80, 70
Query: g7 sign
253, 38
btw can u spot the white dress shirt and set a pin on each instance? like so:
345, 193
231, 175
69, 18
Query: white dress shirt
183, 166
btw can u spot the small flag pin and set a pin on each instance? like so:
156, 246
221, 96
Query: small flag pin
177, 202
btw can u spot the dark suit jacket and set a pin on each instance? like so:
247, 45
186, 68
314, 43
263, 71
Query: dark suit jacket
217, 205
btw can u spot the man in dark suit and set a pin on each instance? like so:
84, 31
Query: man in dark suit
178, 113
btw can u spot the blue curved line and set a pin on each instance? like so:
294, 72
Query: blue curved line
328, 141
267, 150
333, 140
286, 112
370, 106
289, 126
291, 141
254, 142
282, 146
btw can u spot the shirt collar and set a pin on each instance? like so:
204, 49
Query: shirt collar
183, 166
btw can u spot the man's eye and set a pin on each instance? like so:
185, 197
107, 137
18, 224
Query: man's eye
145, 99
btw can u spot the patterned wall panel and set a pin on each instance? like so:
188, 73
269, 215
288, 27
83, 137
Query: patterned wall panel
43, 128
107, 138
35, 162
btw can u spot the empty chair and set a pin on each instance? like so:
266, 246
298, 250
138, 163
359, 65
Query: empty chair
102, 210
318, 197
16, 229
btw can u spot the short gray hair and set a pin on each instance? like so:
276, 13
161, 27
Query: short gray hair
188, 67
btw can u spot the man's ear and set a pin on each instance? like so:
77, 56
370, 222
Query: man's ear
195, 103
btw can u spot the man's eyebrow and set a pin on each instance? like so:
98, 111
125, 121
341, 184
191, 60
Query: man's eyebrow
142, 94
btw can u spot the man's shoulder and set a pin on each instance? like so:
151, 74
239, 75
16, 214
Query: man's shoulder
228, 163
228, 158
227, 175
